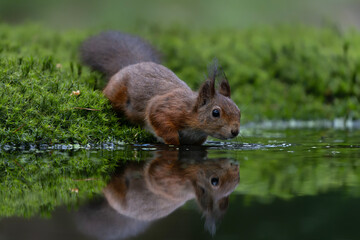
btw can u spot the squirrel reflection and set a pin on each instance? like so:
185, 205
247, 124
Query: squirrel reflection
143, 192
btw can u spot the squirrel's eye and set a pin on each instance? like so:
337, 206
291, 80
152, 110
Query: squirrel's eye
216, 113
214, 181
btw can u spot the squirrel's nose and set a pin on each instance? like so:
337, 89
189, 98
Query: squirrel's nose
234, 132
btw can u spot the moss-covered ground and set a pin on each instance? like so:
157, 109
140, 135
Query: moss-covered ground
275, 73
39, 70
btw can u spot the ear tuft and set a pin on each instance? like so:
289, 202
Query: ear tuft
215, 71
207, 90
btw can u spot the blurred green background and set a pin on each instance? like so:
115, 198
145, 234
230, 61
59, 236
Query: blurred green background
191, 13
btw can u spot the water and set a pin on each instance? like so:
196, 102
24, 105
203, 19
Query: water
294, 184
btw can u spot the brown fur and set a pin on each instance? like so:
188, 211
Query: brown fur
151, 95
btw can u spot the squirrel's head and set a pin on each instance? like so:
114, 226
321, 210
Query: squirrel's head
218, 115
216, 180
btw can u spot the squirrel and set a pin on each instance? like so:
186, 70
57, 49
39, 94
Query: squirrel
151, 95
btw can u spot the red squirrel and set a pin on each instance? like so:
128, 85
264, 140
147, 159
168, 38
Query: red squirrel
151, 95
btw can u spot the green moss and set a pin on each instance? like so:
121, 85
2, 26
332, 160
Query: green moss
39, 71
275, 73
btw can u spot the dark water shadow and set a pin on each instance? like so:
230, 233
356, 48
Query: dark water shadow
140, 193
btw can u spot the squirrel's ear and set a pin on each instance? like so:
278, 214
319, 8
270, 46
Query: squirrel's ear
224, 87
206, 93
223, 203
204, 199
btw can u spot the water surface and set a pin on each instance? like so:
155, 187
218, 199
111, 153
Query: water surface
285, 184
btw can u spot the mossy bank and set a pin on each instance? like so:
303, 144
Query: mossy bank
275, 73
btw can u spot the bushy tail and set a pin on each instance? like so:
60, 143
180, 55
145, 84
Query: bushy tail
109, 52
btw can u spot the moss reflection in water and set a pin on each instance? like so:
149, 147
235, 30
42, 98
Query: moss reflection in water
36, 183
316, 161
